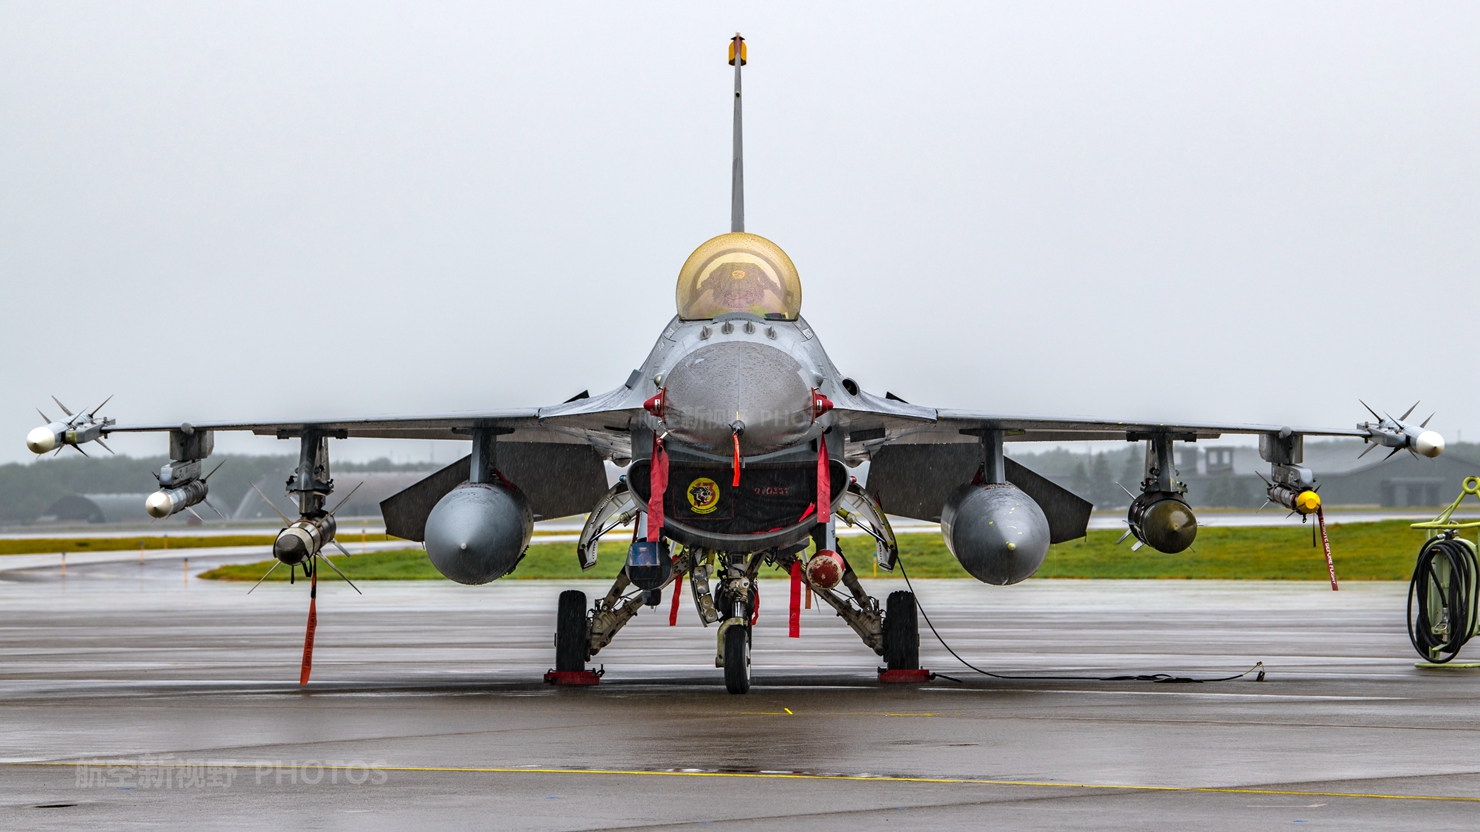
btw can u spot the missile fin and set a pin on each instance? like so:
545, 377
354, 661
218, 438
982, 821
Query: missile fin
346, 498
336, 569
275, 565
1391, 455
1137, 546
1408, 412
105, 447
1370, 448
270, 504
95, 410
1370, 410
1123, 537
43, 415
1430, 419
62, 406
79, 450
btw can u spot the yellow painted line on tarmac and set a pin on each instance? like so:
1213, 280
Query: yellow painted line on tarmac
765, 775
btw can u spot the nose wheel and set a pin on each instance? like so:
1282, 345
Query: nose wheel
737, 659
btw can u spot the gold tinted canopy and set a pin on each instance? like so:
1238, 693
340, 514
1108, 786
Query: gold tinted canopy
739, 272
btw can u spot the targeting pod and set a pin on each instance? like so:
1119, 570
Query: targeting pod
649, 565
303, 539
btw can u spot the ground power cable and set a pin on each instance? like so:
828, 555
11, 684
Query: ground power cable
1160, 678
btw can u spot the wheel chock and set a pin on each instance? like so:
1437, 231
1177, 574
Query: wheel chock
916, 676
573, 678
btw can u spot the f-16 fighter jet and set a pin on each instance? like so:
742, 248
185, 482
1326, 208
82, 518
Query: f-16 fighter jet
737, 434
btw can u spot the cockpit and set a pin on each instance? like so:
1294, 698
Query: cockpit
739, 272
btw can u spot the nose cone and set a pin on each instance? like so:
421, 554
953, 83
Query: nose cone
756, 384
1429, 444
159, 505
41, 440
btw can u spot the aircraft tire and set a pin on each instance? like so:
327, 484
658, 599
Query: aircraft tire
902, 632
570, 632
737, 659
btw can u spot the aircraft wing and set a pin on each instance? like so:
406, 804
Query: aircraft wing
422, 426
871, 422
1017, 428
602, 422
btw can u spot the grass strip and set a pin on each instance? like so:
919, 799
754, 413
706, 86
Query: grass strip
42, 545
1383, 551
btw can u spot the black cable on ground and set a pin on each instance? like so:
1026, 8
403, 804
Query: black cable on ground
1148, 677
1453, 590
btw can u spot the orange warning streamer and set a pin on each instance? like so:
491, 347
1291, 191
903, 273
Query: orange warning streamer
313, 623
794, 625
1326, 544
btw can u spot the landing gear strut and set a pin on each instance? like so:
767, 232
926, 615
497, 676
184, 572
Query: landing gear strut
581, 631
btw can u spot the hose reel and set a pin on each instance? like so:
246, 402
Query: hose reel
1443, 602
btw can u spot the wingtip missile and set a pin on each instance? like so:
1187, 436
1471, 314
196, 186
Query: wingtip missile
78, 429
1399, 434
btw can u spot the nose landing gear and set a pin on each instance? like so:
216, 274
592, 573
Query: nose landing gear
736, 636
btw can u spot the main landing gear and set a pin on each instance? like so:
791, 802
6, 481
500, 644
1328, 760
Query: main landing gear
580, 633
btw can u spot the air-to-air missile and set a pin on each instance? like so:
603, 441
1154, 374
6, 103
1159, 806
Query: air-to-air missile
77, 430
1400, 435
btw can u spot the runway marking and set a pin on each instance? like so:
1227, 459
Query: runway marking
1206, 695
781, 775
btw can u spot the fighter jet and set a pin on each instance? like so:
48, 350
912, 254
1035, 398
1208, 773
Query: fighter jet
737, 434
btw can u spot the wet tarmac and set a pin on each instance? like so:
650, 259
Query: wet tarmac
130, 697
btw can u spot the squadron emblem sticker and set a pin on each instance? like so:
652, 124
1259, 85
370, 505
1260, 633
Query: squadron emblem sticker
703, 495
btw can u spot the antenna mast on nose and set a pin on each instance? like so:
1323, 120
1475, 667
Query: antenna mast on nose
737, 181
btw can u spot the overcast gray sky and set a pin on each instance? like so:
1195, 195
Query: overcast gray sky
1178, 211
